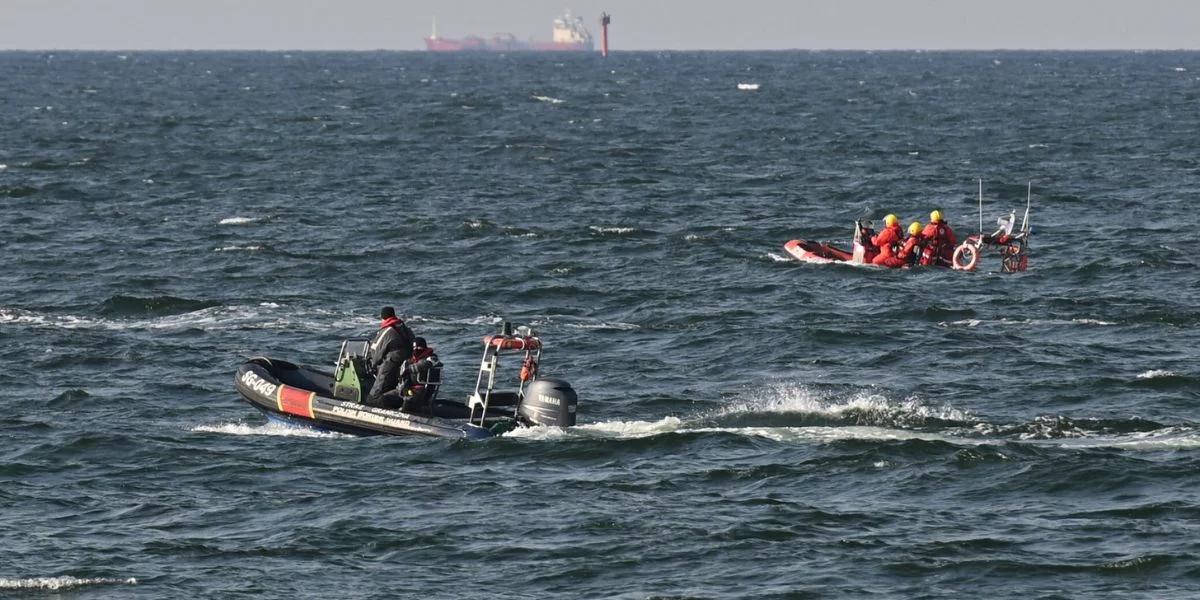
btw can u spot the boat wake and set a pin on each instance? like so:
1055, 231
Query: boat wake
268, 429
795, 414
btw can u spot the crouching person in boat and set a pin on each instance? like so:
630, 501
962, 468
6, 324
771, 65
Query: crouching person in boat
420, 378
910, 253
391, 347
888, 242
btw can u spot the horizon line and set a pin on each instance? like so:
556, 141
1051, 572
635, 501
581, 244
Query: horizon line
611, 51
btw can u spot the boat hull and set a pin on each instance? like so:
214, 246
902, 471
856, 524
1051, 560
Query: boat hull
502, 44
301, 395
814, 252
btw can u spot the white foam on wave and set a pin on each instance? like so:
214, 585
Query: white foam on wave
61, 583
1156, 373
213, 318
1176, 438
791, 398
1006, 322
777, 258
603, 429
550, 99
823, 435
236, 220
628, 430
1093, 322
616, 230
588, 325
270, 429
1170, 438
238, 249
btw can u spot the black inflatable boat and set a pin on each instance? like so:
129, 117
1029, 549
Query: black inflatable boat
332, 400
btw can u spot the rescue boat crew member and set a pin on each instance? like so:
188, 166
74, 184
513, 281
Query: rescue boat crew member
939, 241
391, 346
420, 378
888, 241
911, 252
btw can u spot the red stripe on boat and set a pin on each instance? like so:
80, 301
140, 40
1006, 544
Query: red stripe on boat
295, 401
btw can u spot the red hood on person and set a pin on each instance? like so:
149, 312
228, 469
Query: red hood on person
388, 322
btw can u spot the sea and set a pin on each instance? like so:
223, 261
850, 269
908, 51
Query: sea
750, 426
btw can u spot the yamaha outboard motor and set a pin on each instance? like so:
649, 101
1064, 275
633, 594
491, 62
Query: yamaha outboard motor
549, 402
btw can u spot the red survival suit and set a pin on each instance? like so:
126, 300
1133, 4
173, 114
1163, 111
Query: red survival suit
911, 251
886, 241
939, 244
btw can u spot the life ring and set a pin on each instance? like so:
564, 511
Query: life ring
965, 257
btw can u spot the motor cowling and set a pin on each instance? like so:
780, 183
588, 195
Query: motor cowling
549, 402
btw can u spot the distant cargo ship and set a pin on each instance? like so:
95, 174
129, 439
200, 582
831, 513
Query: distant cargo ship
569, 36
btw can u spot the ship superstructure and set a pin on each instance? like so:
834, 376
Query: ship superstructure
569, 35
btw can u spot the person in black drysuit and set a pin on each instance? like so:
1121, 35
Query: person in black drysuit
420, 379
389, 349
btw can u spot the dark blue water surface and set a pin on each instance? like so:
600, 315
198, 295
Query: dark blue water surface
751, 426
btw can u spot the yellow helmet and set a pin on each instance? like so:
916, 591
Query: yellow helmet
890, 220
914, 228
935, 216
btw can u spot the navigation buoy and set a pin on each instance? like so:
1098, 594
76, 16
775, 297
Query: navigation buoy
604, 21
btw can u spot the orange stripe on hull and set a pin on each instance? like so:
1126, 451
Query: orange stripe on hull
295, 401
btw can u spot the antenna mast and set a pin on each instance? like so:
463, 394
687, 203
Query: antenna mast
1028, 203
981, 206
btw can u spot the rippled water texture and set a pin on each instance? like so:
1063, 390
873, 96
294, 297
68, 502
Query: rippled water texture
751, 427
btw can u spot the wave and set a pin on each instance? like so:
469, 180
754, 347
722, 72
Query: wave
61, 583
1156, 374
132, 306
1007, 322
262, 316
860, 409
549, 99
238, 248
237, 220
270, 429
612, 230
585, 324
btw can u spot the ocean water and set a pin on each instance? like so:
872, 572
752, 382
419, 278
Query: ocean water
750, 426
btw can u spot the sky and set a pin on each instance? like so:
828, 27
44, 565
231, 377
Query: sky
636, 24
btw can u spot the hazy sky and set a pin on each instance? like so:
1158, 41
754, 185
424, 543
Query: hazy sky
637, 24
